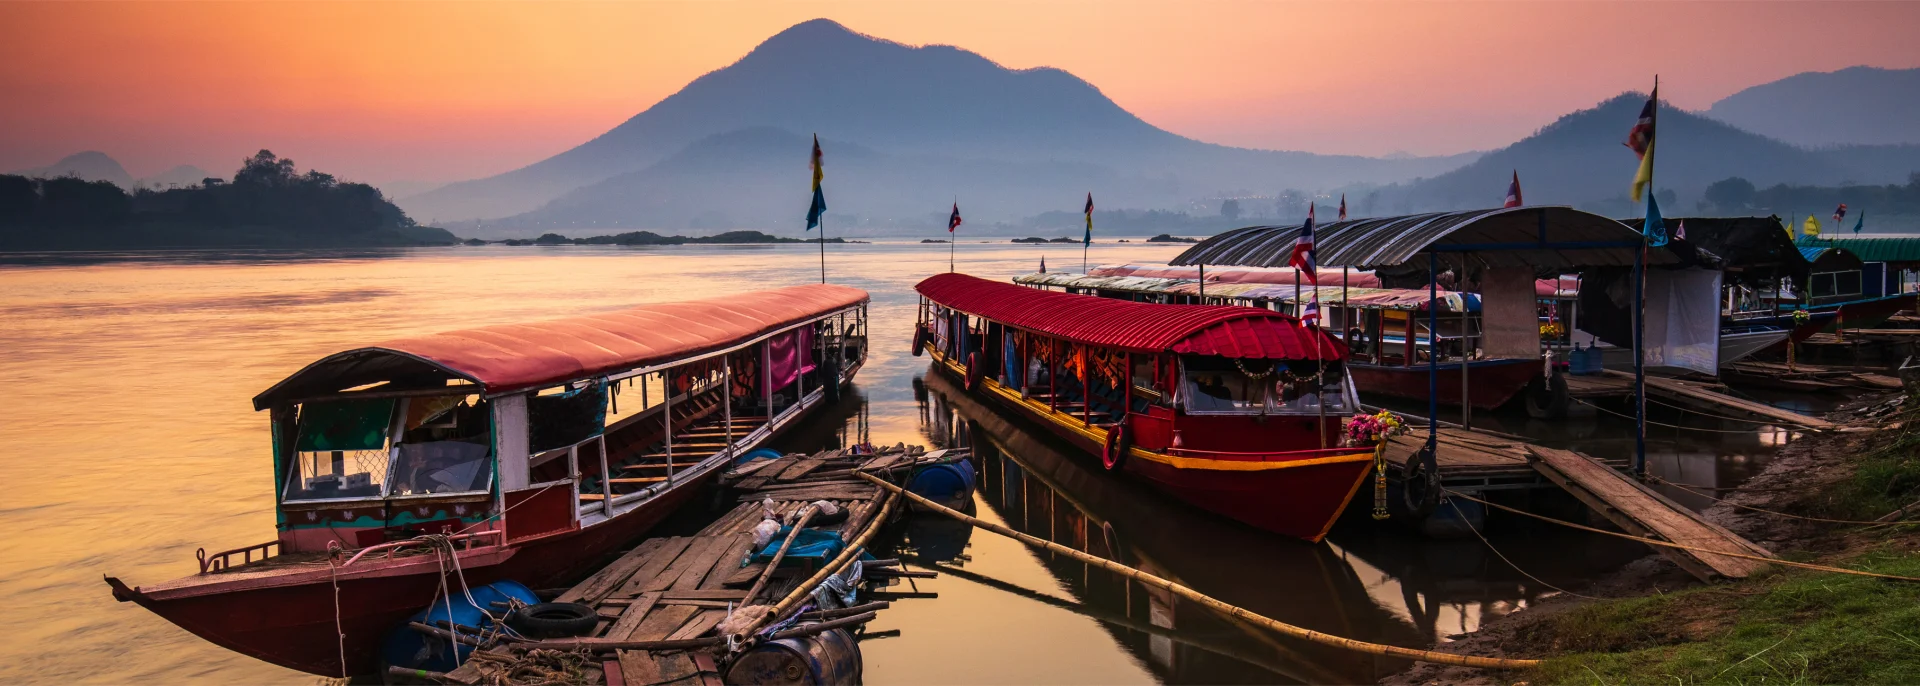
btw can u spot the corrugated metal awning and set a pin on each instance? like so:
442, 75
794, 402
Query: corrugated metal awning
1538, 237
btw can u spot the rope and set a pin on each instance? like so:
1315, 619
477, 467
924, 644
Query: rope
1666, 544
1677, 426
1771, 512
340, 634
1503, 557
1209, 601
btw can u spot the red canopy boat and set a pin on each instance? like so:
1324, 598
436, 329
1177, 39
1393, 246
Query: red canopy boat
1236, 410
500, 453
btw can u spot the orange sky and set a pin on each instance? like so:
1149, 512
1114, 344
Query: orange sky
383, 91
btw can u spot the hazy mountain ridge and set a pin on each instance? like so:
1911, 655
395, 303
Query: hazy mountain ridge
1856, 105
90, 165
932, 100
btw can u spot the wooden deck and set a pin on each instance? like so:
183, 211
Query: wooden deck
674, 588
1476, 459
1703, 393
1641, 511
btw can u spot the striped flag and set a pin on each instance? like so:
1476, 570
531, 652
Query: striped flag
1302, 257
1343, 207
1312, 313
1088, 239
1513, 191
1640, 141
953, 222
1839, 213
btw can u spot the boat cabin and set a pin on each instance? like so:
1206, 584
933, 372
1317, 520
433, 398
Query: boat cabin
523, 430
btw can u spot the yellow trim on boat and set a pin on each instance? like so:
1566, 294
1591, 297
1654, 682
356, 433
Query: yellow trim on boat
1067, 421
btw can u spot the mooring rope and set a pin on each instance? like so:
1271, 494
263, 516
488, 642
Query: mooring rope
1771, 512
1503, 557
1801, 427
1211, 602
1668, 544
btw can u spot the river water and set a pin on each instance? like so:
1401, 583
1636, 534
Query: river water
127, 440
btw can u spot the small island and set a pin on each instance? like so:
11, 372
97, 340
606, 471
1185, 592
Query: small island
267, 205
934, 240
651, 238
1169, 238
1038, 240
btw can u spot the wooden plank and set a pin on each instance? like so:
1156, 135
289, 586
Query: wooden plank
633, 615
744, 576
610, 577
704, 594
729, 560
656, 563
1691, 391
1638, 510
637, 480
661, 622
720, 604
700, 624
800, 468
638, 668
709, 556
696, 547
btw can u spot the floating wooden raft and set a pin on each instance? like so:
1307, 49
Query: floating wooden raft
669, 593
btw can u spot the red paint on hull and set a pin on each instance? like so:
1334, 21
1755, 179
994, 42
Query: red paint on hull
1493, 383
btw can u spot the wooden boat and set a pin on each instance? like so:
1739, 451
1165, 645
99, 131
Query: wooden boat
1145, 387
500, 453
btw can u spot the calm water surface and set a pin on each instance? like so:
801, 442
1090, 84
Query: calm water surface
128, 441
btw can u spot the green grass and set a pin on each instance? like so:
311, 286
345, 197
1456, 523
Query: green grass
1886, 477
1791, 627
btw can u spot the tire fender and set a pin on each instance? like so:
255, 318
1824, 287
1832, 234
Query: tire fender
1119, 444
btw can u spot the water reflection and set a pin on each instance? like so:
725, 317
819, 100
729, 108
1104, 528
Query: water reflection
1369, 582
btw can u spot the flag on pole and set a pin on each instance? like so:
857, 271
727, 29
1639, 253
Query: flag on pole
1640, 141
1088, 239
1859, 222
1043, 264
1839, 213
1302, 257
1811, 227
953, 222
819, 206
1343, 207
1513, 191
1655, 227
1311, 315
1680, 232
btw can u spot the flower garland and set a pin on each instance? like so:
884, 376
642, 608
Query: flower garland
1367, 430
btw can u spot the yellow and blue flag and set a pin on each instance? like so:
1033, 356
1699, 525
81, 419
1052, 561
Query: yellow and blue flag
1640, 141
1088, 239
1811, 227
819, 206
1655, 227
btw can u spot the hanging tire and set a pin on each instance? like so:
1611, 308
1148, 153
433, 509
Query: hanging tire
1119, 444
1547, 398
554, 620
919, 340
973, 370
1419, 488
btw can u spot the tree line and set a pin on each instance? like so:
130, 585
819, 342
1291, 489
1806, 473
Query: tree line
1738, 196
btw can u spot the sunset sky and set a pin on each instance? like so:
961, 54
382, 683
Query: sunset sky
442, 91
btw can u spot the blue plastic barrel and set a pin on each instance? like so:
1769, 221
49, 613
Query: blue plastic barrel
760, 454
943, 483
405, 647
830, 657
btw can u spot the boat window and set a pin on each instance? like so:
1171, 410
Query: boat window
563, 417
340, 450
1221, 385
445, 446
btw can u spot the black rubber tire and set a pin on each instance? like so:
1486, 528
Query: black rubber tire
554, 620
1419, 490
919, 340
1547, 398
1113, 455
973, 370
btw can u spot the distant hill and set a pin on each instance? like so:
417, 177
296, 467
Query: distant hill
86, 166
1856, 105
932, 102
1579, 160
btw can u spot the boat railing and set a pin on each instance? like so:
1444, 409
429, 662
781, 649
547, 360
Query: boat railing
1266, 456
466, 540
222, 560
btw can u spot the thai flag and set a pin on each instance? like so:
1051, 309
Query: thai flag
1343, 207
1312, 313
1302, 257
953, 222
1640, 137
1513, 191
1840, 212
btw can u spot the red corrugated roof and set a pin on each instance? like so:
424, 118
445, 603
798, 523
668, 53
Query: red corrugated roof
1230, 331
511, 357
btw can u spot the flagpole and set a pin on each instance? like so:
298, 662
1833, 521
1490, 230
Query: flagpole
1640, 305
823, 248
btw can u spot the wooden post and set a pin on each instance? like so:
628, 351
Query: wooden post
666, 414
606, 477
726, 401
1086, 390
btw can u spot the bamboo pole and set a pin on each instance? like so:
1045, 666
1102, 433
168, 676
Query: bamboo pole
778, 555
1210, 602
852, 551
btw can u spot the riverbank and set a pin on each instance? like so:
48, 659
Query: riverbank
1652, 622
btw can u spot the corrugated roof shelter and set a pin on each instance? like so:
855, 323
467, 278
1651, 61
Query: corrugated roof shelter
1538, 237
1747, 249
512, 357
1225, 330
1902, 250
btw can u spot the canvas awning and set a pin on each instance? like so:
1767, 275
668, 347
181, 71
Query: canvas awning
1241, 332
1544, 238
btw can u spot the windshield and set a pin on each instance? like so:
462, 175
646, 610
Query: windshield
1214, 385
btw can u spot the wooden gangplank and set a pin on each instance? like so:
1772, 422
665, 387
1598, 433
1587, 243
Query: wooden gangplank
1472, 457
1641, 511
1698, 392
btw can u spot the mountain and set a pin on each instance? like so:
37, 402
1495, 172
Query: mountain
933, 100
1579, 160
177, 177
90, 166
1856, 105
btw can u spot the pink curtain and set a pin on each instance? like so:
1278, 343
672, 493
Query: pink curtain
789, 356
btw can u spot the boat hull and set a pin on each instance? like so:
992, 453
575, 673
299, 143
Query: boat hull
1491, 383
1300, 498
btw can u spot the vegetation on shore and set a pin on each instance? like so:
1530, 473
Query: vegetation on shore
267, 204
651, 238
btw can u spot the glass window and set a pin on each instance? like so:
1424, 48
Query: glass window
340, 450
1220, 385
446, 446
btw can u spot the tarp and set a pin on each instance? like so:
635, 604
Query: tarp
1510, 321
789, 356
1683, 315
1244, 332
345, 425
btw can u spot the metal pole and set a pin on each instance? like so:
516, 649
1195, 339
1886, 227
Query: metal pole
1433, 360
1346, 312
666, 414
1203, 283
1640, 360
726, 400
823, 249
1466, 342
